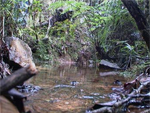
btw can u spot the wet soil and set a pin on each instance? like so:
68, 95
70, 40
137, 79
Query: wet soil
69, 89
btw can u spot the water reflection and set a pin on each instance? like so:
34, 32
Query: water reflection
69, 89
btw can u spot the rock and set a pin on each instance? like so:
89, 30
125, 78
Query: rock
19, 52
108, 64
108, 73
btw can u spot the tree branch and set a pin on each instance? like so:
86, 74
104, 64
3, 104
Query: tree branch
16, 78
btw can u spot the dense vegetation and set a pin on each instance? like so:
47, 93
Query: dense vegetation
101, 29
108, 33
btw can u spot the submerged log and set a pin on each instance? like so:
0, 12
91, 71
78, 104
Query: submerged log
18, 77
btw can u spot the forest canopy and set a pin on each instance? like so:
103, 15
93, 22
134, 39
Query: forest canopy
78, 30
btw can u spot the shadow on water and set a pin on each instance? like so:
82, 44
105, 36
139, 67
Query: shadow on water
69, 89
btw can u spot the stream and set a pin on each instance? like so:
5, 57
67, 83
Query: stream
70, 89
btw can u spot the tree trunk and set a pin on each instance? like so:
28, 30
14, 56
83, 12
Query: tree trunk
140, 19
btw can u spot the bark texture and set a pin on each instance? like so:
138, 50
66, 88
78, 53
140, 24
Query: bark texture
140, 19
18, 77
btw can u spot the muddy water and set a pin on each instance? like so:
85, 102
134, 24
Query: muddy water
69, 89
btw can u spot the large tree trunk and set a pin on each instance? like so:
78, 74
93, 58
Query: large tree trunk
140, 19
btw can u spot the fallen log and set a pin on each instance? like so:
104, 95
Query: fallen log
18, 77
113, 108
138, 96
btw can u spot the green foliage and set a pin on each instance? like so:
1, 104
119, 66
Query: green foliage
110, 27
107, 25
62, 36
43, 52
77, 7
105, 18
37, 6
135, 70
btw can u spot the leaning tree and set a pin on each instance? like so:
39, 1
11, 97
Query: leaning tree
139, 18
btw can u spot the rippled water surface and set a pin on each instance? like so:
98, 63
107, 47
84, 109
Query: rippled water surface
69, 89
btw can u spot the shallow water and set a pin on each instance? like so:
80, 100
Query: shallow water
70, 89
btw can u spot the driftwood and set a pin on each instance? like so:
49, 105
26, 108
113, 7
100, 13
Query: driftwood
131, 91
18, 77
114, 108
